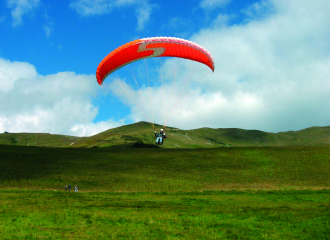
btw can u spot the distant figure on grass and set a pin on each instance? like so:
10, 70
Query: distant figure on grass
69, 187
66, 187
76, 188
160, 137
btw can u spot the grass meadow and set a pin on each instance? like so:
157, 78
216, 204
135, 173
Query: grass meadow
225, 193
291, 214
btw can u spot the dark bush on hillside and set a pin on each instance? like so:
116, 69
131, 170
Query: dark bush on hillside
13, 141
144, 145
131, 138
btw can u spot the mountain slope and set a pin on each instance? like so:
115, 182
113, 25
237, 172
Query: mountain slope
38, 139
141, 134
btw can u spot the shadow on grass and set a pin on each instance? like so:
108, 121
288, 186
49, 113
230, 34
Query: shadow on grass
22, 162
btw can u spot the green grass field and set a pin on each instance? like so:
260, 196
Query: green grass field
217, 193
127, 170
300, 214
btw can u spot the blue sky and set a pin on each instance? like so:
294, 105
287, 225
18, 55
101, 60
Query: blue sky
272, 61
57, 37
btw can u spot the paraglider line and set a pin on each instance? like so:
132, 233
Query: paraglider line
152, 112
177, 100
136, 104
139, 90
161, 79
173, 83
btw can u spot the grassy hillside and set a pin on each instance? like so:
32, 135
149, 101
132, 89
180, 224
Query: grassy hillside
239, 137
38, 139
141, 134
107, 169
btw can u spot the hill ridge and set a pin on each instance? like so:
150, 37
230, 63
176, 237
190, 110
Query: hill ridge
141, 135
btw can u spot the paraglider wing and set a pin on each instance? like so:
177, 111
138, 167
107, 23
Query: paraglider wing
152, 47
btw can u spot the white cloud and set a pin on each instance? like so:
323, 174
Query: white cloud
48, 30
59, 103
49, 26
259, 10
209, 4
90, 129
283, 59
11, 72
20, 8
271, 73
221, 20
92, 7
143, 15
98, 7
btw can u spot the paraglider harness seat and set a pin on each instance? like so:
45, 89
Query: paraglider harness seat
161, 137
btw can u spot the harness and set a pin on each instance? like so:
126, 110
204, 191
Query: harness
160, 135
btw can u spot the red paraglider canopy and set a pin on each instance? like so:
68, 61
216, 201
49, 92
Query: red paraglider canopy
152, 47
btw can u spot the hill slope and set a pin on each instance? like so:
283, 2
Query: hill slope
137, 170
142, 135
38, 139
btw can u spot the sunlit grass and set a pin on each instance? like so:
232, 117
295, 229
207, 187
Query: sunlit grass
195, 215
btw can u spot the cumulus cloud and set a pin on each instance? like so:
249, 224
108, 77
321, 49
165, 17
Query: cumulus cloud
98, 7
272, 72
258, 10
20, 8
90, 129
59, 103
283, 59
